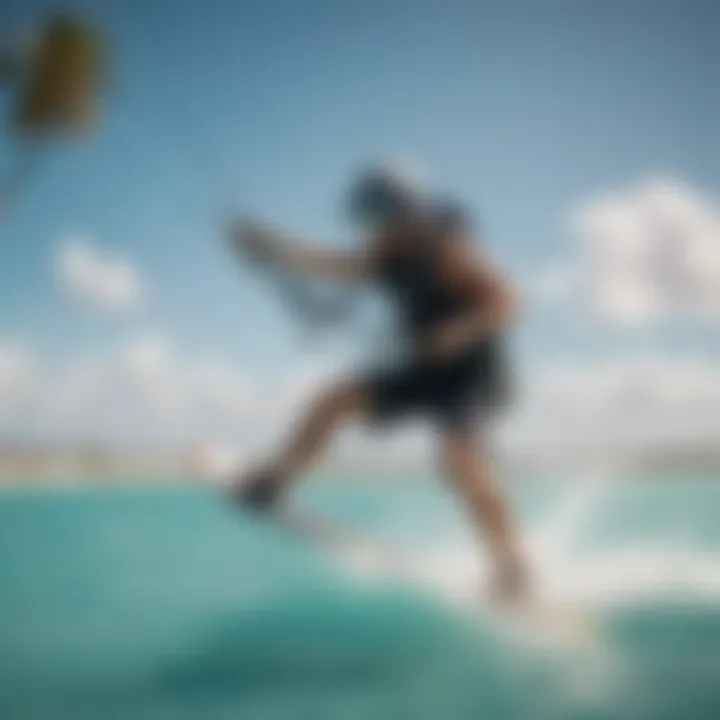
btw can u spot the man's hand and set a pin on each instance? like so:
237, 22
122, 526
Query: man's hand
491, 303
259, 243
449, 339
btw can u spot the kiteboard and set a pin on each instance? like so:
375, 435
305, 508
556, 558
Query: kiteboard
354, 552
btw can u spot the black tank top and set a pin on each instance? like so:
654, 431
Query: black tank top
411, 278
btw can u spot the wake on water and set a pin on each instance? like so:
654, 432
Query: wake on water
650, 600
574, 587
587, 586
564, 574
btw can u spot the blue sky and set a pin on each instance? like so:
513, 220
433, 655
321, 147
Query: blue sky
522, 110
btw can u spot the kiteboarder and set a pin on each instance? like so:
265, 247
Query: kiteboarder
454, 310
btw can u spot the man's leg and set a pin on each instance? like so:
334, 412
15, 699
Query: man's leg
306, 442
469, 469
317, 426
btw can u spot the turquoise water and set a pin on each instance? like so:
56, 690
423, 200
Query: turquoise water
154, 602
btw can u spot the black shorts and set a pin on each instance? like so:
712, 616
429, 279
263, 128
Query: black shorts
453, 394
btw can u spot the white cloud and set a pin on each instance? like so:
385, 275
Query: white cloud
14, 367
646, 253
634, 401
16, 372
97, 279
141, 393
145, 393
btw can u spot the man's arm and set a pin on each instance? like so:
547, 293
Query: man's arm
492, 302
260, 243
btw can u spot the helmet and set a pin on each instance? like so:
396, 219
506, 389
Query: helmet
381, 194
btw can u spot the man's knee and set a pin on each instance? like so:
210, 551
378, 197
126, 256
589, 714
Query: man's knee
450, 458
460, 454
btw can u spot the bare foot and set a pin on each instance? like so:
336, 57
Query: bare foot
511, 586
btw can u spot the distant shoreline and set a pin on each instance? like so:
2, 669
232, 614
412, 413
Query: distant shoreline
97, 465
540, 472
